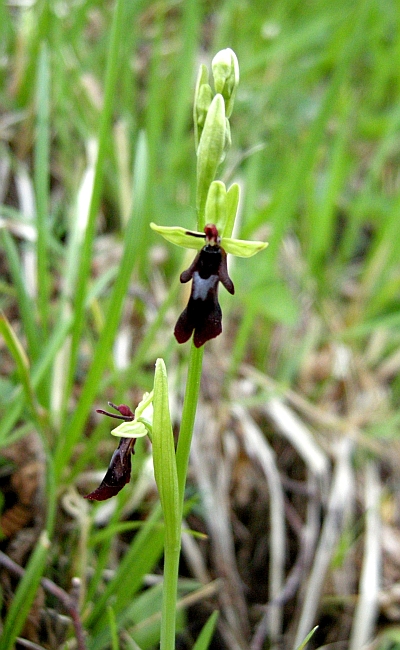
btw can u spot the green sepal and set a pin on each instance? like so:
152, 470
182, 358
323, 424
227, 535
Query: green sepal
242, 247
180, 236
132, 429
195, 240
164, 460
140, 426
215, 211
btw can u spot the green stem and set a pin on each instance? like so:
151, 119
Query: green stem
188, 417
170, 594
173, 546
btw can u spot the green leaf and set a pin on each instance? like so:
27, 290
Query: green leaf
164, 457
207, 632
17, 351
306, 640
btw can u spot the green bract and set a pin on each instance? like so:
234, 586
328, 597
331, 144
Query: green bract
210, 152
202, 99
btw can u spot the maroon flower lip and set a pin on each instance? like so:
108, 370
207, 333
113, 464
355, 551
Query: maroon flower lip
119, 470
203, 314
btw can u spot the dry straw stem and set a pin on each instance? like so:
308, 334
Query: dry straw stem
330, 422
213, 459
69, 602
367, 605
293, 429
340, 499
194, 557
260, 453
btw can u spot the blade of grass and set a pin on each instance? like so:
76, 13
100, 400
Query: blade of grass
134, 235
285, 201
322, 219
206, 634
18, 353
25, 594
39, 371
117, 34
25, 304
367, 606
142, 554
181, 108
42, 184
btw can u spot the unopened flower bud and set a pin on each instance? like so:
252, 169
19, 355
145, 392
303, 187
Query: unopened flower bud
210, 152
225, 69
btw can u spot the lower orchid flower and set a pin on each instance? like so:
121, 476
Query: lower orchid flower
119, 470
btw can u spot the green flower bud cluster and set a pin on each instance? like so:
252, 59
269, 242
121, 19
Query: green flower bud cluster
211, 122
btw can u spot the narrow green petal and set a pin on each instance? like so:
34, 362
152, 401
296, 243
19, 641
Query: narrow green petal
180, 236
143, 404
242, 247
216, 205
232, 202
130, 430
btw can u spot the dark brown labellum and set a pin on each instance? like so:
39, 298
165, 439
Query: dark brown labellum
119, 470
203, 313
118, 473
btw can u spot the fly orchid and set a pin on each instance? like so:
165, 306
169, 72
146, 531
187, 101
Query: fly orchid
134, 426
203, 314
